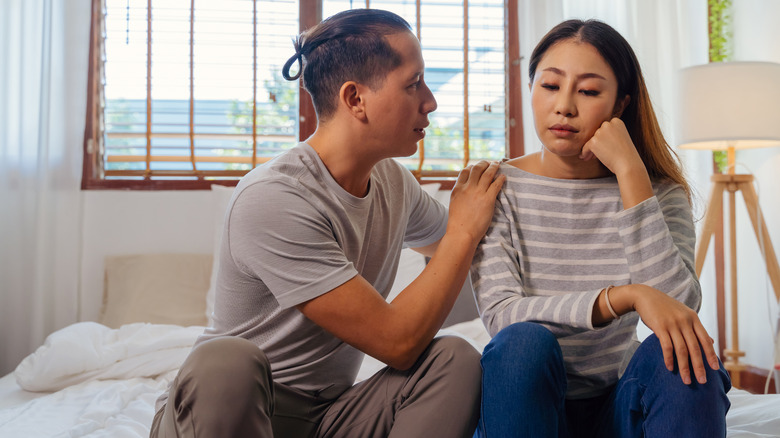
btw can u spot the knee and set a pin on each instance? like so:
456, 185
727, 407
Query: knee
524, 343
649, 357
223, 385
650, 347
525, 361
227, 365
457, 353
649, 360
229, 355
459, 358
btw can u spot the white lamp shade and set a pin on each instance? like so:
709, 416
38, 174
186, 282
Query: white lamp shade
729, 104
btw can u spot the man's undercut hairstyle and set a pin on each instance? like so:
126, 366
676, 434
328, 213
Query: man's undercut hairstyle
348, 46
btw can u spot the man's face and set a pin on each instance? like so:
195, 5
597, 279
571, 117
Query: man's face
398, 110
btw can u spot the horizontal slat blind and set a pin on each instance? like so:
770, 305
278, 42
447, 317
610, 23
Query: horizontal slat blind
184, 92
183, 79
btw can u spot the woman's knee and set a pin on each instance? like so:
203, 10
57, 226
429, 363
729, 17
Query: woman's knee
648, 360
529, 344
650, 355
523, 363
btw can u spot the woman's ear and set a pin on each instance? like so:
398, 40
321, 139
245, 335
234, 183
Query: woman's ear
620, 106
351, 98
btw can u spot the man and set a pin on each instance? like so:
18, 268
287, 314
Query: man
309, 252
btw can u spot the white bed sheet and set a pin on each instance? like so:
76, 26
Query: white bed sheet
114, 377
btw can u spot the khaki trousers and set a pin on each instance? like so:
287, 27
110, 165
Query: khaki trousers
225, 389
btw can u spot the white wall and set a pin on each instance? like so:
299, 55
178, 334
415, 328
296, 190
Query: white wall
136, 222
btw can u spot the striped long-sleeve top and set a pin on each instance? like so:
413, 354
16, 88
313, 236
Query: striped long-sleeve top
554, 244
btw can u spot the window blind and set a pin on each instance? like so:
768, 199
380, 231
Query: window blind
191, 90
184, 80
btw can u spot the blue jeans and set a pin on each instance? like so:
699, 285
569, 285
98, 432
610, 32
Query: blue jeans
524, 389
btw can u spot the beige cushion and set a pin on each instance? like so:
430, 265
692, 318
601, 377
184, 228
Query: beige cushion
156, 288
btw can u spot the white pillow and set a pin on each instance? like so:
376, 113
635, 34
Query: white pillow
155, 288
220, 198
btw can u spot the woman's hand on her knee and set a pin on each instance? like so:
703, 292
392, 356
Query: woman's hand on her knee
679, 331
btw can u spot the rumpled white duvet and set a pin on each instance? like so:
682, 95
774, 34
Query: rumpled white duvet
93, 381
106, 380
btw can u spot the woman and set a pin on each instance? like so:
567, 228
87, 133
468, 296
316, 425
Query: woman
590, 234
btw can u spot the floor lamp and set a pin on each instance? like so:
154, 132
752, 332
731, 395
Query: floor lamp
730, 106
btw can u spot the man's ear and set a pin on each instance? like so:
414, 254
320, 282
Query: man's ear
620, 106
351, 97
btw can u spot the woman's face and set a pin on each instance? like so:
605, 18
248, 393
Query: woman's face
574, 91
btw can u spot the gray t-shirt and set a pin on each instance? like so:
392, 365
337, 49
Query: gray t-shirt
292, 234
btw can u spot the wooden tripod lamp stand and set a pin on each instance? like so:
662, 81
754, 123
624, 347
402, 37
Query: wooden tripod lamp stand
730, 106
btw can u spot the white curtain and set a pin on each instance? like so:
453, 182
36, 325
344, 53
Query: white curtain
666, 35
43, 74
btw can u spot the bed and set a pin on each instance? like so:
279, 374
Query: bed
94, 381
101, 378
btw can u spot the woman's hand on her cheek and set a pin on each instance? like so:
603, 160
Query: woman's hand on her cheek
611, 144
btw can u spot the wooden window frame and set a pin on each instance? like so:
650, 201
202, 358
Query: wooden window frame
310, 13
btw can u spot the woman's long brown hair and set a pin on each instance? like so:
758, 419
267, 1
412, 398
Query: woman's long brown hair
661, 161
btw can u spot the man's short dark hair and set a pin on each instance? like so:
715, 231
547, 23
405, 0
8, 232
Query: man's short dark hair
348, 46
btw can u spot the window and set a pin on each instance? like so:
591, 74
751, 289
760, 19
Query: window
186, 93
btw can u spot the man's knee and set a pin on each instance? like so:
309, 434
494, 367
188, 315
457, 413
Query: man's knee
227, 366
456, 350
224, 386
456, 365
458, 359
229, 353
